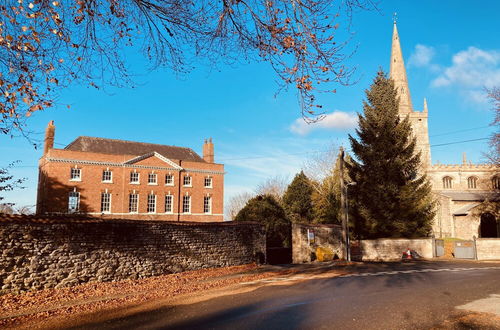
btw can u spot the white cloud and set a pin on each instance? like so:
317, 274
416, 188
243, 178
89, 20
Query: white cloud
338, 120
421, 56
471, 68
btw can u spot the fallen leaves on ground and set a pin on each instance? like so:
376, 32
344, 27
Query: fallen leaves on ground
34, 309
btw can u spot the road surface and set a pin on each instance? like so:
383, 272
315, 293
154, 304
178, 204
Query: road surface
371, 296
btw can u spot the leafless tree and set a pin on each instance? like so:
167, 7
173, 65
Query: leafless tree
47, 44
236, 203
275, 186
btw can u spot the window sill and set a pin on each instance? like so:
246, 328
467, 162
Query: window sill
75, 180
186, 186
152, 184
106, 181
136, 183
169, 184
208, 187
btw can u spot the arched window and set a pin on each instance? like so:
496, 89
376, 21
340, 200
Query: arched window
447, 182
472, 182
495, 182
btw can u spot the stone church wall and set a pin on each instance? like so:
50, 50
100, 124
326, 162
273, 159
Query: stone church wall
45, 253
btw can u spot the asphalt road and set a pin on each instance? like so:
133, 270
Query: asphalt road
372, 296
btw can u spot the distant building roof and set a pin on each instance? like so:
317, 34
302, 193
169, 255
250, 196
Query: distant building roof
472, 196
122, 147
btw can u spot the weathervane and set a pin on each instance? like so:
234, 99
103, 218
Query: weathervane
395, 17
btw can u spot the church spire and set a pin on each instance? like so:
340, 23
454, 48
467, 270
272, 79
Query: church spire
398, 74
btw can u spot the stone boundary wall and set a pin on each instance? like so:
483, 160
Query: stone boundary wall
488, 248
304, 247
42, 253
386, 249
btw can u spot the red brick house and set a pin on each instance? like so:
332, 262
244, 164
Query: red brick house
129, 180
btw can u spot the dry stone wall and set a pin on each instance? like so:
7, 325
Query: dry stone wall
41, 253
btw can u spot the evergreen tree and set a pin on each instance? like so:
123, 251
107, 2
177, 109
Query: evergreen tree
297, 199
392, 199
326, 198
266, 210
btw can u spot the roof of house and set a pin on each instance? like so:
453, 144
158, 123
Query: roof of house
122, 147
472, 196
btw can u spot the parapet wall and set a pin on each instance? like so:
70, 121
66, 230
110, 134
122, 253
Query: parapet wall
43, 253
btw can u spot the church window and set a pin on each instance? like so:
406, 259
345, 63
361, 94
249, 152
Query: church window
495, 182
151, 203
472, 182
76, 174
447, 182
73, 202
105, 202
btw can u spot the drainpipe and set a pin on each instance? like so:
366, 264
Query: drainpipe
179, 194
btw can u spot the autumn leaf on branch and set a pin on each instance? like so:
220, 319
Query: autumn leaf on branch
46, 45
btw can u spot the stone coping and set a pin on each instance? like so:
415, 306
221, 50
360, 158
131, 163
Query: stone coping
72, 218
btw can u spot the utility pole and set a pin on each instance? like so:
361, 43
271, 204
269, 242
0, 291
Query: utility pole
345, 240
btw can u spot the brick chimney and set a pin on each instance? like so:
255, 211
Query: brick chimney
208, 151
50, 132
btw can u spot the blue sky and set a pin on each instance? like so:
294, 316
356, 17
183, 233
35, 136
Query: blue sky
451, 51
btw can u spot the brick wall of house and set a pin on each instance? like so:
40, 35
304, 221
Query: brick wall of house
52, 252
55, 185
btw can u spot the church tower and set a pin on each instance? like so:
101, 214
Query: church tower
418, 119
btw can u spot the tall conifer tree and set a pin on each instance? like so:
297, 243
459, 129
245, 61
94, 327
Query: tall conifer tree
297, 199
392, 199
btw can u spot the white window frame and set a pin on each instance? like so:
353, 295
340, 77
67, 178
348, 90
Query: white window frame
138, 177
136, 202
190, 179
186, 201
171, 176
207, 204
77, 195
171, 210
104, 179
73, 176
104, 202
210, 180
152, 176
151, 202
